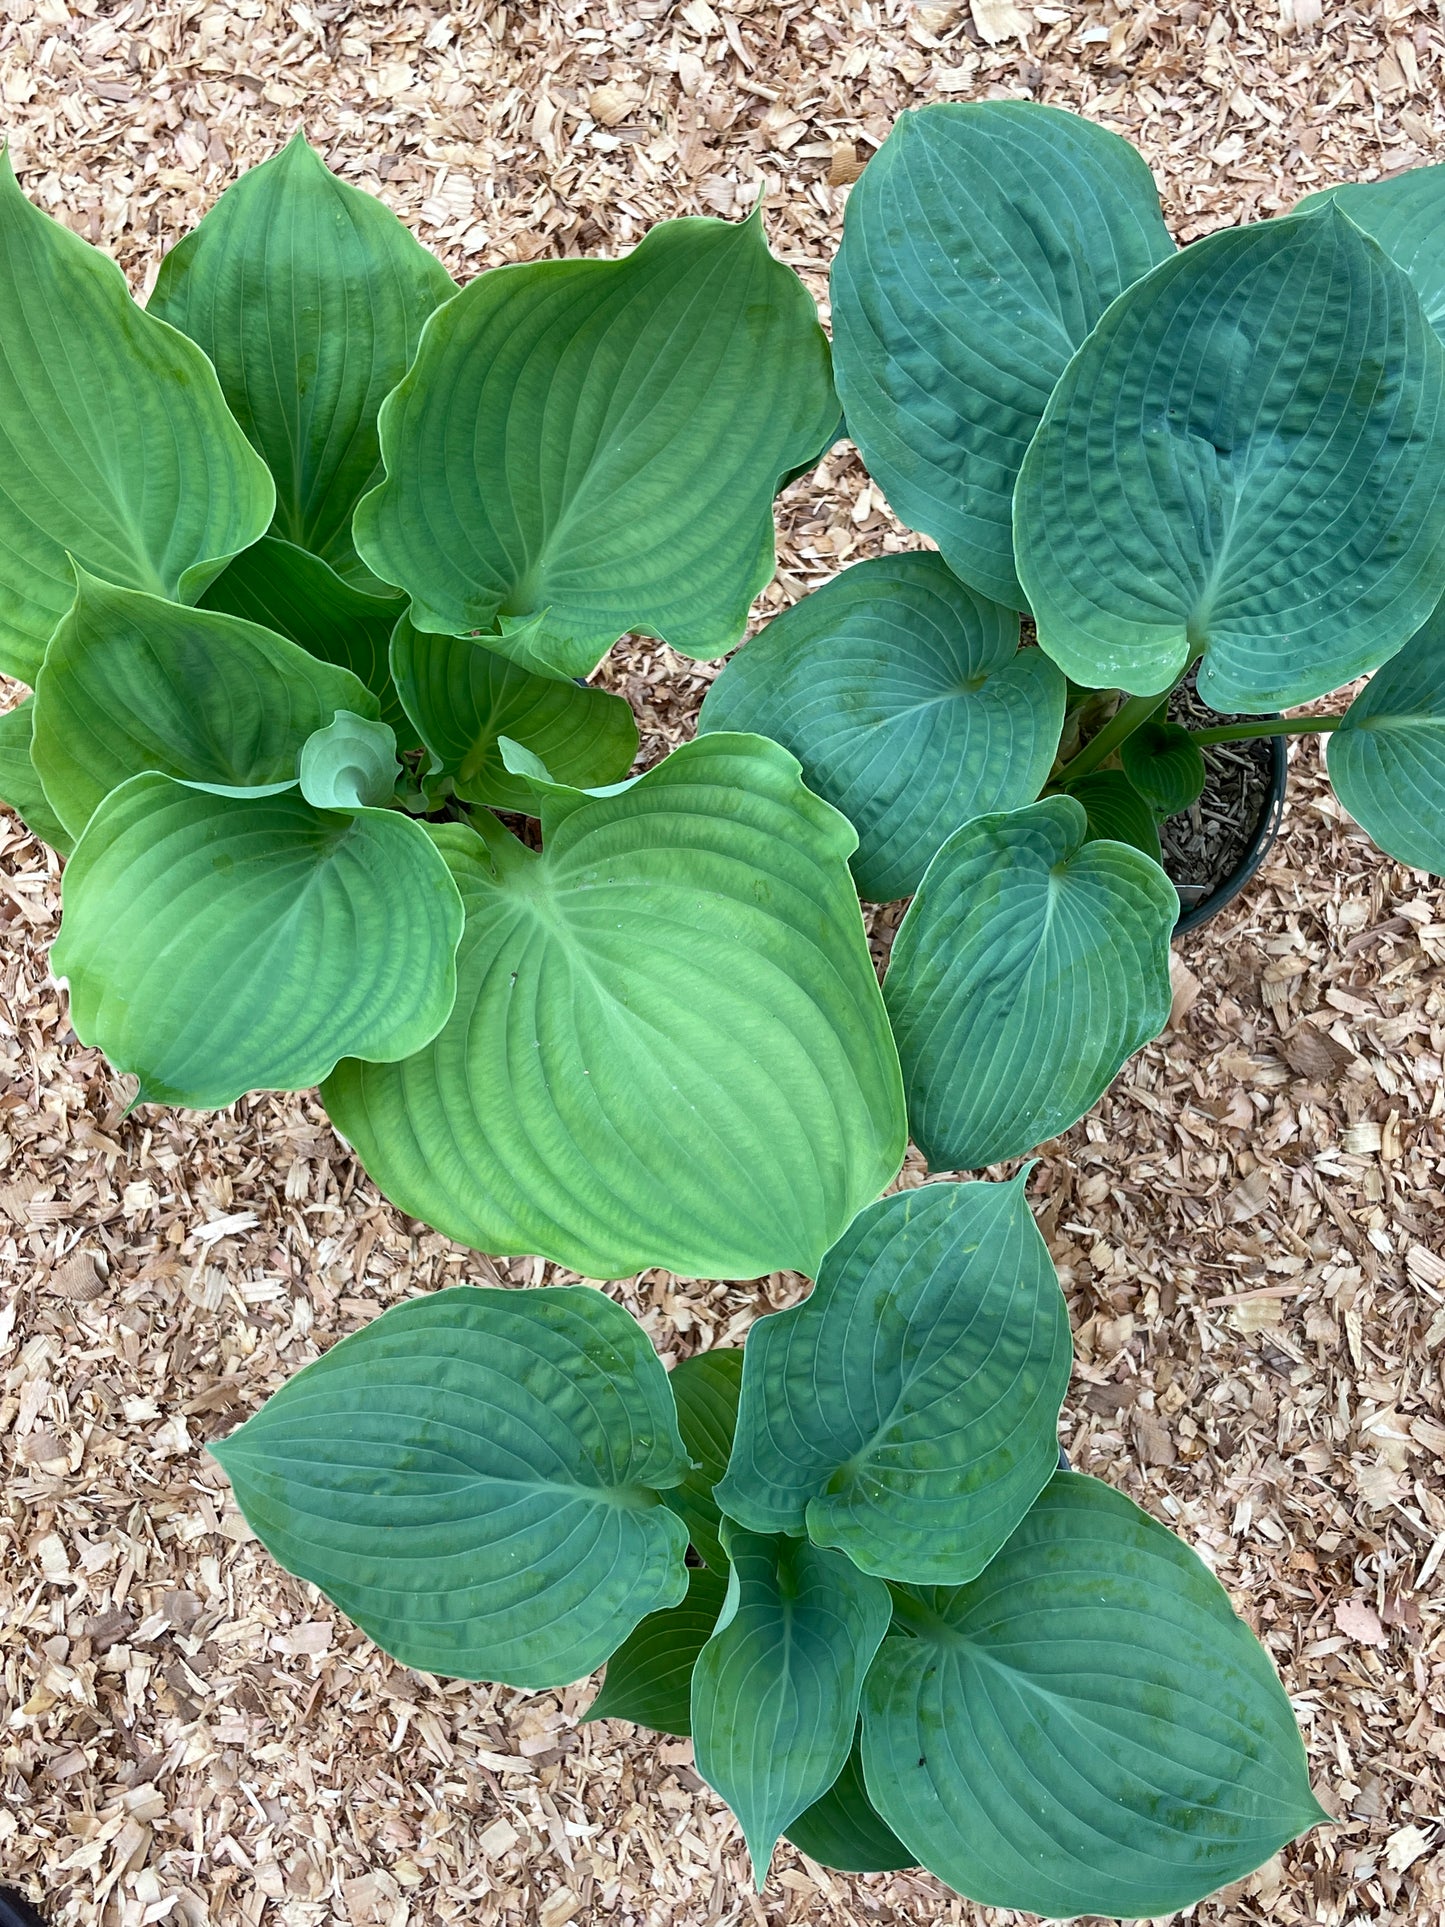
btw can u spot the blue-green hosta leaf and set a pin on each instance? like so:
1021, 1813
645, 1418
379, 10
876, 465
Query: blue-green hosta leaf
464, 698
20, 786
649, 1677
981, 245
131, 682
1387, 758
1246, 458
906, 1412
281, 587
668, 1046
219, 944
587, 447
1029, 966
775, 1690
1406, 215
116, 447
1116, 812
845, 1830
475, 1479
309, 296
909, 703
349, 765
1165, 765
706, 1389
1087, 1728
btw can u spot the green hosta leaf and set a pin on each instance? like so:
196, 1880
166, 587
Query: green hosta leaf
1406, 215
845, 1830
668, 1046
1247, 457
1387, 758
348, 765
298, 595
775, 1691
1165, 765
309, 296
474, 1479
1116, 812
909, 703
132, 683
463, 699
906, 1412
706, 1389
1029, 966
981, 245
220, 944
20, 785
587, 447
116, 447
649, 1677
1087, 1728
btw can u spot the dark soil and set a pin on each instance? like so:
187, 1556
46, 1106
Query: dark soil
1202, 846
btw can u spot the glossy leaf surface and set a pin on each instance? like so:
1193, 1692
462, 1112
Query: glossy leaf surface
1029, 966
706, 1389
981, 245
906, 1412
1246, 458
668, 1046
775, 1690
474, 1478
1087, 1728
220, 944
116, 446
309, 297
649, 1677
1387, 759
587, 447
909, 703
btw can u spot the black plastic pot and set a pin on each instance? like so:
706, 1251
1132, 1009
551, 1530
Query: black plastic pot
16, 1910
1266, 830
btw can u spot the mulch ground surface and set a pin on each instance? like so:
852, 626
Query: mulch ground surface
1249, 1227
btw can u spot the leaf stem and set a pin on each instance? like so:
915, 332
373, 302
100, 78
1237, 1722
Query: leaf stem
1131, 714
1288, 726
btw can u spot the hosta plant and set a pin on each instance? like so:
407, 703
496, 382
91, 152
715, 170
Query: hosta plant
902, 1635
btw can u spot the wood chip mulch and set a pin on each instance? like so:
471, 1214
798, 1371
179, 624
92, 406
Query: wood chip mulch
1249, 1227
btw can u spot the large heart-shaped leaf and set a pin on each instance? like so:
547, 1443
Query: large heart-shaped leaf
116, 447
309, 296
220, 944
775, 1690
649, 1677
908, 702
20, 785
706, 1389
906, 1412
1245, 459
463, 699
1029, 966
1406, 215
474, 1478
1087, 1728
131, 682
281, 587
981, 245
587, 447
668, 1046
845, 1830
1387, 758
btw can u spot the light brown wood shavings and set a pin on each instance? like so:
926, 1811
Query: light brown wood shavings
1250, 1228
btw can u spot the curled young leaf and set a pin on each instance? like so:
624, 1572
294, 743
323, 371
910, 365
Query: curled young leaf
1087, 1728
1031, 963
217, 944
116, 447
1387, 758
906, 1412
908, 702
587, 447
1245, 459
349, 765
474, 1479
